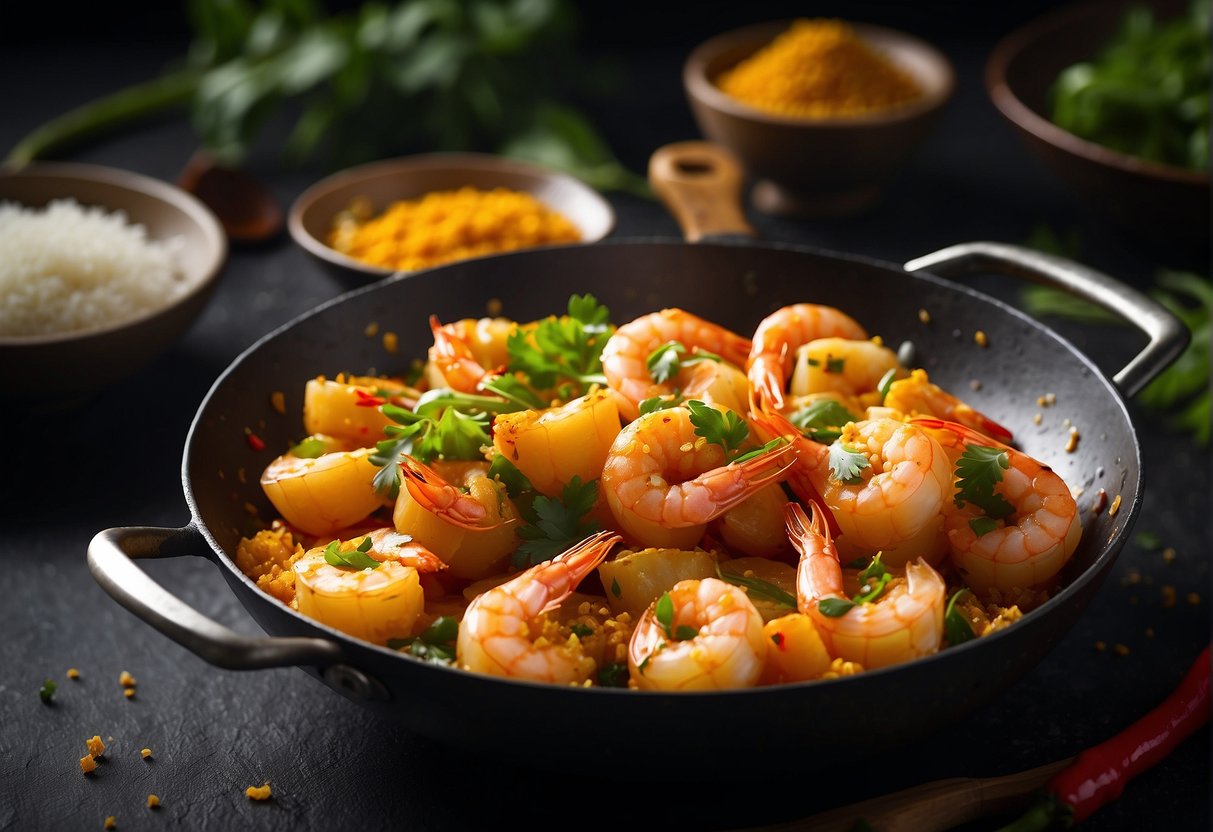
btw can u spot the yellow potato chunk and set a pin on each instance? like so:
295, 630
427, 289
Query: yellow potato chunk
322, 495
634, 579
796, 652
371, 604
756, 526
333, 408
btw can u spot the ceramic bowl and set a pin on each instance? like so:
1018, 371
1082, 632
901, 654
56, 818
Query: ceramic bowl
381, 183
816, 167
47, 371
1162, 203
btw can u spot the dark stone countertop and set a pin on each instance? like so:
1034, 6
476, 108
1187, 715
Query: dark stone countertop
116, 461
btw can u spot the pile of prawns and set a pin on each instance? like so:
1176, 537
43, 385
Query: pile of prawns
879, 489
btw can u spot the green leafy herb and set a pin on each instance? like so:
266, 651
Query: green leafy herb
872, 589
1146, 93
47, 691
822, 420
452, 435
435, 644
565, 350
770, 446
352, 559
613, 675
1148, 540
664, 612
874, 568
513, 389
726, 429
978, 470
309, 448
372, 81
956, 626
858, 563
684, 632
616, 590
886, 382
758, 587
665, 361
507, 473
835, 607
556, 525
846, 463
581, 630
983, 525
660, 403
834, 365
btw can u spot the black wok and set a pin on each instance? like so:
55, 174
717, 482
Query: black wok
733, 283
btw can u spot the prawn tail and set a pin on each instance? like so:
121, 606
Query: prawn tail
807, 535
733, 484
810, 458
963, 432
766, 387
454, 359
574, 564
442, 499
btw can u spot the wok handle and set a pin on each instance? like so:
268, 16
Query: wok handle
1168, 335
111, 557
700, 183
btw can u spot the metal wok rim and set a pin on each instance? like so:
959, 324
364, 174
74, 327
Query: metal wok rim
1108, 548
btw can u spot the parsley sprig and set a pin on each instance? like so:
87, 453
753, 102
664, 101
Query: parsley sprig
435, 644
955, 625
978, 470
667, 360
563, 351
846, 463
356, 559
555, 525
664, 612
449, 433
723, 428
822, 420
661, 402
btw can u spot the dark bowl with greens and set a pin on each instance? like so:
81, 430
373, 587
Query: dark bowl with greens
1114, 98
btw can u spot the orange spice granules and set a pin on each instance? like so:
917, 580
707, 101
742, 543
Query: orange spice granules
819, 69
258, 792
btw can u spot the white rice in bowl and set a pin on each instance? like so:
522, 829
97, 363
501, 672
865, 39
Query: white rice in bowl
70, 268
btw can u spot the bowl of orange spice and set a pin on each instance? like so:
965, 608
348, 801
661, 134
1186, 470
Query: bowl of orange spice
821, 112
415, 212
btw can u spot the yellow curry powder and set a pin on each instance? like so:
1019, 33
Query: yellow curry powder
448, 225
819, 69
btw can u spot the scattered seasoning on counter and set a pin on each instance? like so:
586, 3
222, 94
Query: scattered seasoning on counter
493, 307
129, 693
145, 753
1121, 650
1101, 501
1047, 400
96, 747
259, 792
88, 764
111, 822
1149, 632
278, 402
980, 339
390, 342
1101, 646
1072, 445
1038, 418
73, 673
153, 801
1168, 596
924, 316
1194, 598
1168, 554
371, 329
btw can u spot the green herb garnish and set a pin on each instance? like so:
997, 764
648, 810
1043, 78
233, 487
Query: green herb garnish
978, 470
351, 559
616, 590
613, 675
758, 587
886, 383
664, 612
1148, 540
556, 525
435, 644
656, 403
846, 463
667, 360
452, 435
955, 625
726, 429
822, 420
581, 630
507, 473
983, 525
835, 607
565, 350
309, 448
746, 457
47, 691
835, 365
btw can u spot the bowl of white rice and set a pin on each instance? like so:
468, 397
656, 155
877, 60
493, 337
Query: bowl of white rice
100, 271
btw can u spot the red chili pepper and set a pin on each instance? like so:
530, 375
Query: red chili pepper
1098, 775
365, 399
255, 442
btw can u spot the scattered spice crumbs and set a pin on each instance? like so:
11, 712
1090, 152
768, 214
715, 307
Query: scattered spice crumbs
278, 401
1072, 442
390, 342
979, 338
96, 747
1115, 507
258, 792
493, 307
254, 441
372, 329
1101, 500
924, 316
1168, 554
1038, 418
88, 764
1101, 646
1121, 650
1149, 632
129, 693
152, 801
1168, 596
111, 822
975, 385
1047, 400
145, 753
1194, 598
73, 673
126, 679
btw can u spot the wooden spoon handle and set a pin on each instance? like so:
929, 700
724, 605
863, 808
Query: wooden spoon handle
700, 183
930, 807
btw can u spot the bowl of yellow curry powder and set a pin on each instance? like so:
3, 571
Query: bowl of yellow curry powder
821, 112
416, 212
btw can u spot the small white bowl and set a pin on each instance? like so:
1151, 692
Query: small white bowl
41, 371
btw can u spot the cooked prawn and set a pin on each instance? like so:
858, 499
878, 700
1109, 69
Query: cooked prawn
454, 355
497, 633
1029, 546
919, 396
626, 353
664, 484
715, 640
778, 337
904, 623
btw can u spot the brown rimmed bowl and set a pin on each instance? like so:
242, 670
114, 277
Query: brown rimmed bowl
408, 177
51, 371
1163, 203
816, 167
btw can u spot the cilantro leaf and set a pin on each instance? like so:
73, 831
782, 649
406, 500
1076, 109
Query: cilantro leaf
664, 612
660, 403
955, 625
47, 691
513, 389
835, 607
556, 525
822, 420
983, 525
453, 435
563, 350
613, 675
726, 429
846, 463
665, 361
685, 632
758, 587
507, 473
581, 630
835, 365
616, 590
353, 559
435, 644
978, 470
886, 381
